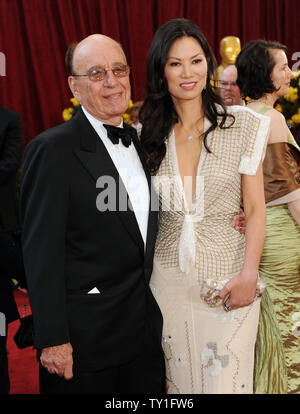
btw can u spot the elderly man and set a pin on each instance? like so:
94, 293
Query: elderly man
229, 90
88, 238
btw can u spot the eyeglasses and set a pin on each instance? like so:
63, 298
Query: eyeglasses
224, 84
98, 74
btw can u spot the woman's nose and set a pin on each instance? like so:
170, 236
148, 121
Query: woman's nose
186, 70
291, 73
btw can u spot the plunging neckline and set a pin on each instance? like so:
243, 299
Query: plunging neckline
175, 163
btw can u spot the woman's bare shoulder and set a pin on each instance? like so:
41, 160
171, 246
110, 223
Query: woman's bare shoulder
278, 128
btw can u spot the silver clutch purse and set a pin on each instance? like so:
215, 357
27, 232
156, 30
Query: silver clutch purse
211, 289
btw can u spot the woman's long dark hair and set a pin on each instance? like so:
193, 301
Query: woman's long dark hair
157, 113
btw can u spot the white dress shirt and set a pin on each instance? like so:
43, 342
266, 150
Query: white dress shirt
130, 169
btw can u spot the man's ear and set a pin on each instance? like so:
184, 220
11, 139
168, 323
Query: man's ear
73, 86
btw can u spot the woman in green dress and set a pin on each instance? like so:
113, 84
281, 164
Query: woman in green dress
264, 76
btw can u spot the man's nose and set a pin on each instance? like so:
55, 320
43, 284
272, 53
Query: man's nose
110, 79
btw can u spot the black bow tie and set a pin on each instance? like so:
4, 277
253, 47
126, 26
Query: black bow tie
116, 133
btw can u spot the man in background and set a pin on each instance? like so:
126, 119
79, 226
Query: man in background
228, 88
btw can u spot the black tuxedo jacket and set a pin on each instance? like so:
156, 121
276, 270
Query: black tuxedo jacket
70, 247
11, 146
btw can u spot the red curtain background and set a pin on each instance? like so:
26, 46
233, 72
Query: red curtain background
34, 36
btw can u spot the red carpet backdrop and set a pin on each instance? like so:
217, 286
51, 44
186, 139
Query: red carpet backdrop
34, 36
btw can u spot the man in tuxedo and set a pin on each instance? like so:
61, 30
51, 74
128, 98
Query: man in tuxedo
11, 146
88, 238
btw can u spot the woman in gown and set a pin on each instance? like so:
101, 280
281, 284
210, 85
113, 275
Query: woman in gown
205, 276
264, 76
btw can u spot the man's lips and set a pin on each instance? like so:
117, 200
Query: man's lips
113, 96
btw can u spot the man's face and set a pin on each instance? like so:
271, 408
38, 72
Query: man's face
229, 90
107, 99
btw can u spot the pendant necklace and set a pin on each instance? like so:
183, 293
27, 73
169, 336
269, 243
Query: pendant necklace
190, 137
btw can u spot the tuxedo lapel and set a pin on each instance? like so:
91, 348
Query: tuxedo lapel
153, 206
96, 160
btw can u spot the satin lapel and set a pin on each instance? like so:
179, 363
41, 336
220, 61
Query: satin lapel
153, 207
96, 160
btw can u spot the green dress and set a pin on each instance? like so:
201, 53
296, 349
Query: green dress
277, 354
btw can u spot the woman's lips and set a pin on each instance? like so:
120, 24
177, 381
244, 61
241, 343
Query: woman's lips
188, 85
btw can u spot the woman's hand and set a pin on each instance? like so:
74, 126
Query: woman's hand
241, 290
239, 222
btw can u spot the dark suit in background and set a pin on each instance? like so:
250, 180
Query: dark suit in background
11, 146
11, 266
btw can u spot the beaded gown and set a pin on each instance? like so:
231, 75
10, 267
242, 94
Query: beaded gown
277, 362
207, 350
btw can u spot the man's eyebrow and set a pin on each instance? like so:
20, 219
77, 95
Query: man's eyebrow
103, 67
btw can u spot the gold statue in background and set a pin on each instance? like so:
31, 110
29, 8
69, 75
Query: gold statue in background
230, 47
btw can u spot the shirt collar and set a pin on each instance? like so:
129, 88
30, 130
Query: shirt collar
96, 123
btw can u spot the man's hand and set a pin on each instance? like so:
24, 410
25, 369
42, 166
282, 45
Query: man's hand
58, 360
239, 222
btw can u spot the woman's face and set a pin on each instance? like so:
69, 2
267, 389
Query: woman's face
186, 69
281, 74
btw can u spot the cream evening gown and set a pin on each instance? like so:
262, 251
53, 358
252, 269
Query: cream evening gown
207, 350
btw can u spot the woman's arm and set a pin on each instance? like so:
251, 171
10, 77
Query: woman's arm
242, 287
